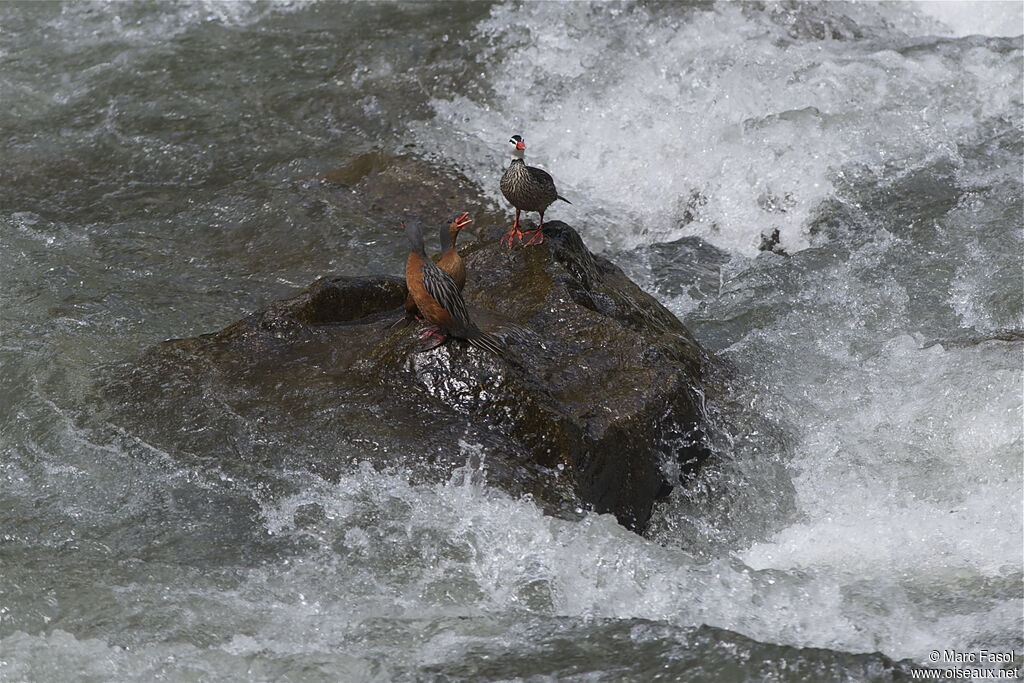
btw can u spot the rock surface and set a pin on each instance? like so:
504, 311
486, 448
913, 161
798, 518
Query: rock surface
595, 400
596, 405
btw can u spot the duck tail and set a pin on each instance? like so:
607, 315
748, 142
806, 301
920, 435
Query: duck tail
563, 199
488, 342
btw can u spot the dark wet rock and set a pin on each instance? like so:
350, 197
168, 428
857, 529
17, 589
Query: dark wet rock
405, 186
966, 341
807, 21
772, 243
954, 48
597, 398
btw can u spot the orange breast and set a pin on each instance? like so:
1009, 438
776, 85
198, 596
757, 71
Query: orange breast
429, 308
452, 264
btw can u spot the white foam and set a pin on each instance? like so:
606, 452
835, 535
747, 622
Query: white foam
719, 122
905, 460
469, 550
977, 17
714, 122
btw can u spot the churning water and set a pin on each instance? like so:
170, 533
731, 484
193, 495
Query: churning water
159, 180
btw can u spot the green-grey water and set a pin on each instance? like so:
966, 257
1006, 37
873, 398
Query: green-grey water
164, 173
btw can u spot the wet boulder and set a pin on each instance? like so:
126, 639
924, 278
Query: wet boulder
595, 405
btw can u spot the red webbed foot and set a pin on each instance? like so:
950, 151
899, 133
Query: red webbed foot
432, 337
534, 237
513, 235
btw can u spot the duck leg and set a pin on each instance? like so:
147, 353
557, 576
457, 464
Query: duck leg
433, 337
535, 236
514, 234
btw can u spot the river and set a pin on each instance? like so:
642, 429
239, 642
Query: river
161, 178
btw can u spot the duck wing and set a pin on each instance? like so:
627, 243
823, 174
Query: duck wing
442, 289
541, 176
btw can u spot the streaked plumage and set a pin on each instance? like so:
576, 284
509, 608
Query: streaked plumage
528, 189
438, 298
450, 261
